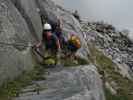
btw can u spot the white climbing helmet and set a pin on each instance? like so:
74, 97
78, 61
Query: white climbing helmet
47, 26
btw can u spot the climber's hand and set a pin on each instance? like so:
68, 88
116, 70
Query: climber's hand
38, 45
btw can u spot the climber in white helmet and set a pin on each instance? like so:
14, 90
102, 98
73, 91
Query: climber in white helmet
49, 40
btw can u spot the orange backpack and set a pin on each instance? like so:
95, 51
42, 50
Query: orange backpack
75, 41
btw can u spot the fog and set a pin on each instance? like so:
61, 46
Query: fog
116, 12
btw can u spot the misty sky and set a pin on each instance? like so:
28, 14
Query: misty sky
116, 12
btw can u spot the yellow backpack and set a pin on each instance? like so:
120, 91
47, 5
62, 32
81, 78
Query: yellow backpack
75, 41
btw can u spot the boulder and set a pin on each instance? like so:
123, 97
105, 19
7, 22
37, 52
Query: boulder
76, 83
14, 59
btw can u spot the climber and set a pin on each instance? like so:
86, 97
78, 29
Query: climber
58, 27
59, 31
50, 41
73, 44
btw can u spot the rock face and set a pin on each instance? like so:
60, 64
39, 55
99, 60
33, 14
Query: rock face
79, 83
28, 10
70, 25
20, 24
13, 29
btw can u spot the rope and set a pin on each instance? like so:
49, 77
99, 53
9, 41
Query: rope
16, 44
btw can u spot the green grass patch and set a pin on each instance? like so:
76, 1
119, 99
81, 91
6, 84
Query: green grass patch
125, 86
12, 89
69, 62
82, 61
75, 62
110, 96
